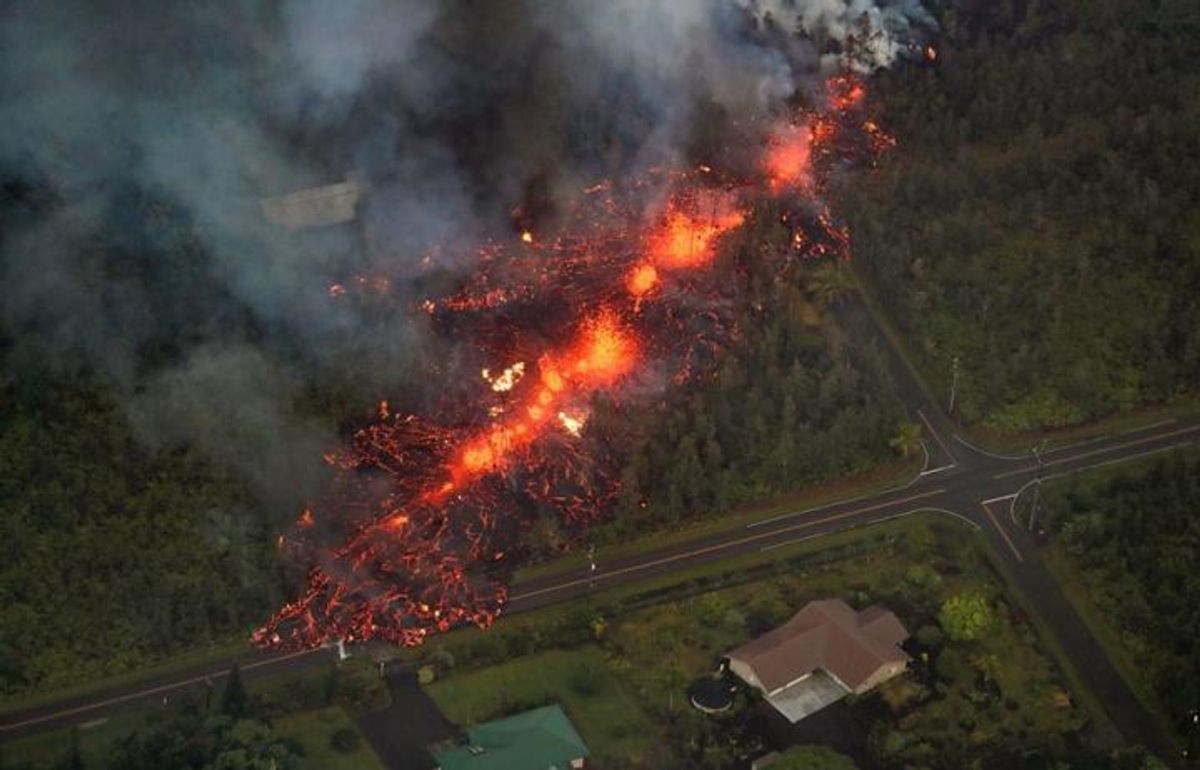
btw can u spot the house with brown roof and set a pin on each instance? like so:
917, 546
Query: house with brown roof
825, 652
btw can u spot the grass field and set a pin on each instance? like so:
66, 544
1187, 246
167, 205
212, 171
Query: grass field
49, 749
314, 729
607, 716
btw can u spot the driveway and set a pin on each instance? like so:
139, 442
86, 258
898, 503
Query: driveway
400, 733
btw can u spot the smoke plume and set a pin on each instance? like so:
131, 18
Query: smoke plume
155, 130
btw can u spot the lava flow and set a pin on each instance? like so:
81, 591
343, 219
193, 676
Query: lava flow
428, 508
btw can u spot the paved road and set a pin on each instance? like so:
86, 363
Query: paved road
961, 481
975, 487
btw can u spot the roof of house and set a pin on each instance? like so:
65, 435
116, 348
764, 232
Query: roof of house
807, 696
313, 207
542, 739
826, 635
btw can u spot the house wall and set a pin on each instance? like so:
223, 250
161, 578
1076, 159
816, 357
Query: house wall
881, 675
744, 672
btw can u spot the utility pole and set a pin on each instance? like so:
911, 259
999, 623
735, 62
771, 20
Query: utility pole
953, 386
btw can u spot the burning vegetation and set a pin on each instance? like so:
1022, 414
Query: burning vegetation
428, 507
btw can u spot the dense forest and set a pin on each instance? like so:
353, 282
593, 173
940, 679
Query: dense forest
1137, 537
112, 555
1039, 221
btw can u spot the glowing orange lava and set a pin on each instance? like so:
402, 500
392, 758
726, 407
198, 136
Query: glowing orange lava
788, 157
603, 352
686, 240
642, 279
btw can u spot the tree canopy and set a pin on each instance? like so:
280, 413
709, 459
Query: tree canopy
1037, 221
965, 616
1137, 536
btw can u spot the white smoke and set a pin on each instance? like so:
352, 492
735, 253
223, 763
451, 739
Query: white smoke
870, 35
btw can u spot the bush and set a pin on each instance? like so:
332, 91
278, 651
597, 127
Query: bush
344, 740
965, 616
710, 609
734, 621
950, 667
930, 637
922, 576
442, 660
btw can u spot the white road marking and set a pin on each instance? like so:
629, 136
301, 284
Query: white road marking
1003, 534
939, 469
935, 435
720, 546
152, 691
1104, 450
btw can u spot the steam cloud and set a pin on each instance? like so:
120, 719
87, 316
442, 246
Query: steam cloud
451, 114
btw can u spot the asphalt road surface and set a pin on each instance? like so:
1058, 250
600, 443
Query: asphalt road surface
975, 486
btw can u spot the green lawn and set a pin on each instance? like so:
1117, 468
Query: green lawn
313, 731
607, 716
48, 749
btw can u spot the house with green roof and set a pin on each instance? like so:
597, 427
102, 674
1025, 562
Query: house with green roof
542, 739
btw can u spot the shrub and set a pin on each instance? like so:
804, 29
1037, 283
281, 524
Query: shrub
930, 637
922, 576
344, 740
965, 616
950, 667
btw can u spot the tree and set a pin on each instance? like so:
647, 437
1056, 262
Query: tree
829, 283
965, 616
813, 758
234, 700
907, 439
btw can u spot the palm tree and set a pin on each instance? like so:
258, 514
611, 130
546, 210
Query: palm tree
907, 439
829, 283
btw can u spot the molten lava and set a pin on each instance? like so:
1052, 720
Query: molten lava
788, 157
687, 239
428, 508
604, 352
642, 279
